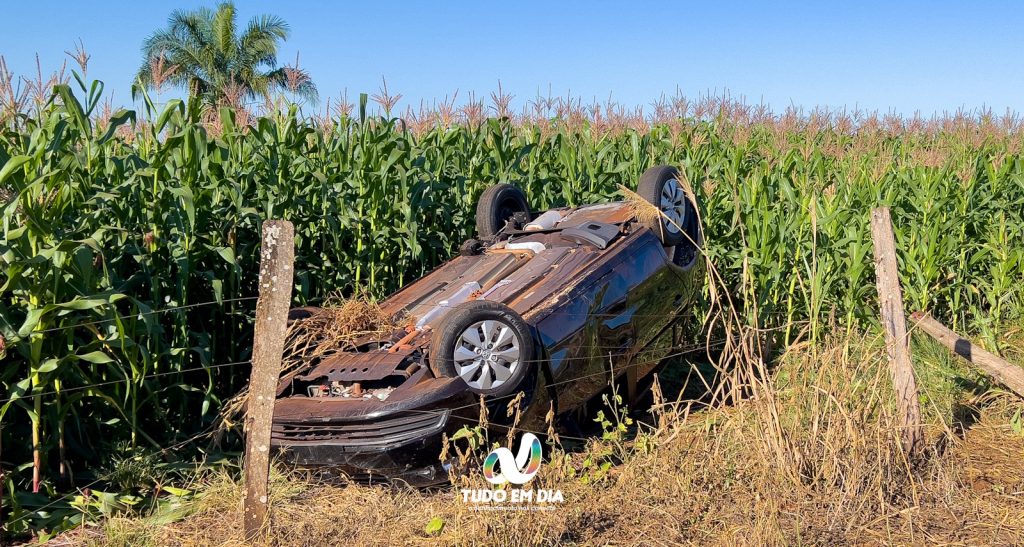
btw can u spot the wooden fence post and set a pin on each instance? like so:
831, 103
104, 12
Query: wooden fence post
1004, 372
275, 289
894, 321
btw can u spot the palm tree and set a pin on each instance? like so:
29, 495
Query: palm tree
201, 51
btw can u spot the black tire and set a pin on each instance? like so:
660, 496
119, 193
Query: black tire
496, 206
685, 254
298, 314
448, 340
652, 188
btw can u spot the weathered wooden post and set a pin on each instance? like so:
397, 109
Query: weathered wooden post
894, 321
275, 289
1002, 371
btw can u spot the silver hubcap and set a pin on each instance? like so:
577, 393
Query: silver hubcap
673, 204
487, 354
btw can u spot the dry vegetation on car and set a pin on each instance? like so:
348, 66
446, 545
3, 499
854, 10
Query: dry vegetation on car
813, 457
333, 327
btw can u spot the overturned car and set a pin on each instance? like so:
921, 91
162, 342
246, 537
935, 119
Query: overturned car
550, 306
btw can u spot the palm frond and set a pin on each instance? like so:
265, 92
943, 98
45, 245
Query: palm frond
193, 25
295, 81
264, 26
223, 30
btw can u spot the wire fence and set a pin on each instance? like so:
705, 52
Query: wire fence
610, 373
592, 352
252, 298
142, 314
393, 299
406, 304
73, 389
212, 429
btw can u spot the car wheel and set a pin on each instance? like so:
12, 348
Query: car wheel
485, 343
660, 187
496, 206
685, 254
298, 314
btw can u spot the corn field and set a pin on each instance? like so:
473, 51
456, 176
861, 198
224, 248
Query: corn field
129, 238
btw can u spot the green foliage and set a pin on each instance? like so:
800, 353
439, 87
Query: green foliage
202, 51
117, 236
595, 466
434, 527
617, 422
475, 437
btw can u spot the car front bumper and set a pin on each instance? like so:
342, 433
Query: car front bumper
403, 446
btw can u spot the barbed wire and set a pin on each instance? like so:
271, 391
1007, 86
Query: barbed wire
62, 391
27, 395
72, 389
450, 412
414, 303
145, 313
685, 350
382, 302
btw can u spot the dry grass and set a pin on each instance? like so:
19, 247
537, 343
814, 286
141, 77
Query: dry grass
813, 457
336, 326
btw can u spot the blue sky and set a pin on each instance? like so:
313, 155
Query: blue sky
909, 56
